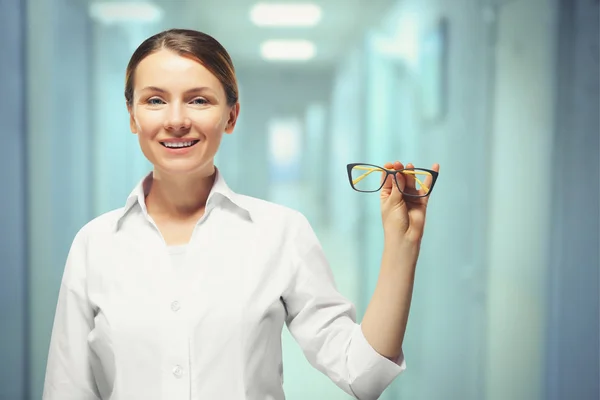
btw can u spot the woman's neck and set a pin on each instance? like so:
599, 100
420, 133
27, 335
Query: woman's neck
179, 196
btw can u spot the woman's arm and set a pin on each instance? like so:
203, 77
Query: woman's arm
384, 323
323, 322
361, 359
68, 371
385, 320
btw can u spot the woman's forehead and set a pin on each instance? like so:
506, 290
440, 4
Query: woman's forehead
167, 67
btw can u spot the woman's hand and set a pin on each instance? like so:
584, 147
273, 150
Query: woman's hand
403, 216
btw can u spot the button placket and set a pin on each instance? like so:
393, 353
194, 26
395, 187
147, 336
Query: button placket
175, 336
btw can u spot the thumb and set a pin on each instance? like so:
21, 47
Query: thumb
386, 189
394, 197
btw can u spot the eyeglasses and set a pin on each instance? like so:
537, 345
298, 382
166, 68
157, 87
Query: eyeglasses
419, 181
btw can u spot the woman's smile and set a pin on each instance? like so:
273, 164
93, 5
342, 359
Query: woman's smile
179, 147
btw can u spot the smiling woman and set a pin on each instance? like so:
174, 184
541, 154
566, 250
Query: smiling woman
182, 96
183, 292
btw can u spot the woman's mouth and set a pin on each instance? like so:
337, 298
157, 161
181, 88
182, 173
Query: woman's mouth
179, 145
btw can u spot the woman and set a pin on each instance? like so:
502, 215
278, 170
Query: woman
183, 292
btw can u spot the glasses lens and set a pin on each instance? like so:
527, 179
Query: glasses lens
366, 178
418, 182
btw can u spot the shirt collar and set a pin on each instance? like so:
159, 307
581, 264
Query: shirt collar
219, 191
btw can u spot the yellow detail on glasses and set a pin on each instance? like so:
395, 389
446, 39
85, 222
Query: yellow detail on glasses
419, 182
405, 172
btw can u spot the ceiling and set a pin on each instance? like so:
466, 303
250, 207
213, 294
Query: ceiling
342, 24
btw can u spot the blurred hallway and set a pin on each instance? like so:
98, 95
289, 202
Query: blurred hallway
503, 94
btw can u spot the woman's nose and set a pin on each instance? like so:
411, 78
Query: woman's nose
177, 120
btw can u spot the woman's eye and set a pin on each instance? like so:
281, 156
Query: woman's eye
200, 101
155, 101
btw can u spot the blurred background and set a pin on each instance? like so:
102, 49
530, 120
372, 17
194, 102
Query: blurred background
503, 94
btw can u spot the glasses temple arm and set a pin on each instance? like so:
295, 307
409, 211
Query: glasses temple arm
417, 179
363, 176
370, 170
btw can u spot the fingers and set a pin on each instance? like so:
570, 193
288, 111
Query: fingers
384, 174
411, 184
399, 179
386, 189
429, 180
396, 165
407, 182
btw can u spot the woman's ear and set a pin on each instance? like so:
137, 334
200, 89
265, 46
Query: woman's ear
233, 116
132, 124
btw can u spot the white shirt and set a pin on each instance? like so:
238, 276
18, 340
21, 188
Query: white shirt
204, 321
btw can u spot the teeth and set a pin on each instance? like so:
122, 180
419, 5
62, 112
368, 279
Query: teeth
178, 144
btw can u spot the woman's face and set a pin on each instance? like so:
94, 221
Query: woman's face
179, 112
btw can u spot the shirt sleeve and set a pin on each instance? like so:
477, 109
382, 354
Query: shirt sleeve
323, 323
68, 371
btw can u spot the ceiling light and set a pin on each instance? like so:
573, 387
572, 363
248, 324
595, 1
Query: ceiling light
285, 14
110, 12
293, 50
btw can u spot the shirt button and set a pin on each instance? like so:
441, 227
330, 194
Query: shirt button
178, 371
175, 306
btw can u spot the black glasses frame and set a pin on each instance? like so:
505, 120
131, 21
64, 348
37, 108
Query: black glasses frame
434, 176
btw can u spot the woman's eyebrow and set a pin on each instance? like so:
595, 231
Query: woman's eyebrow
199, 89
193, 90
153, 89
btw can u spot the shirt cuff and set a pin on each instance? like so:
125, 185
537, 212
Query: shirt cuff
370, 372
